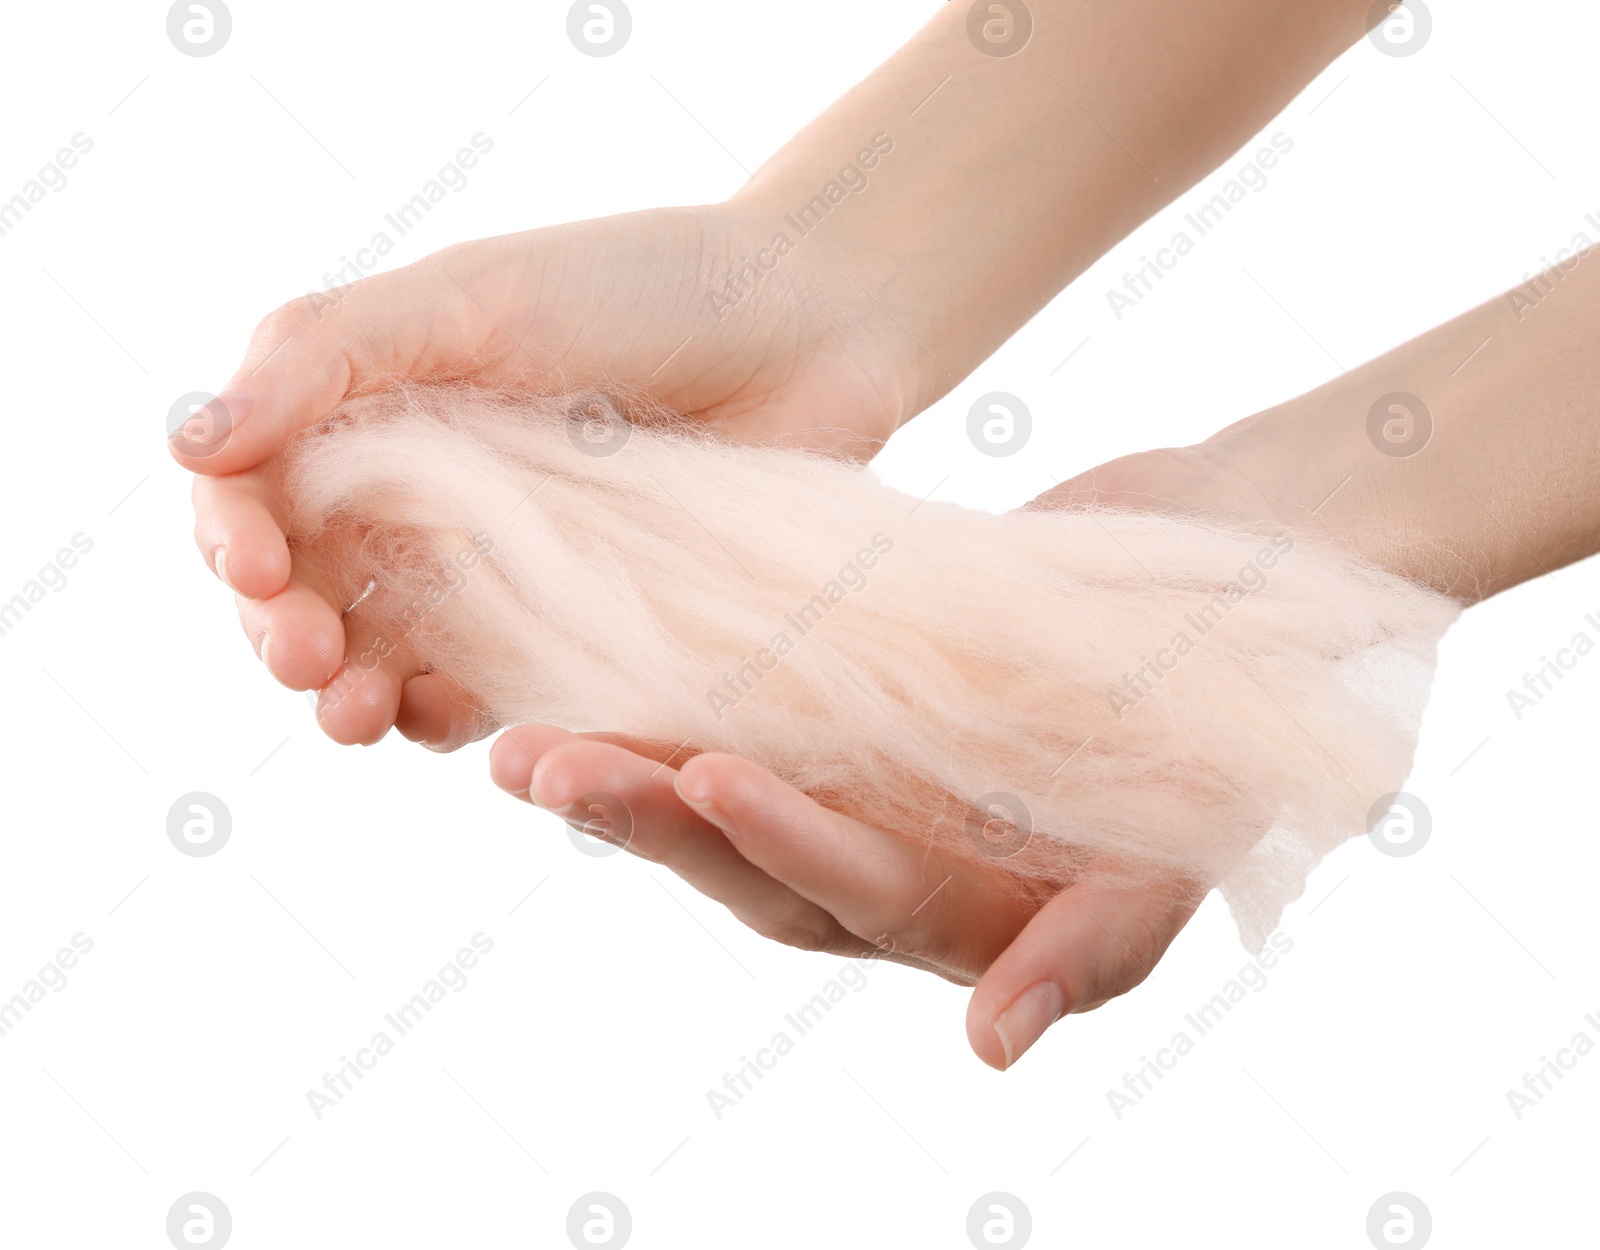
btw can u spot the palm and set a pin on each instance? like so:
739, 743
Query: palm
623, 304
815, 879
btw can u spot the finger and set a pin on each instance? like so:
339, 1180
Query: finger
888, 890
297, 635
634, 798
515, 752
359, 705
238, 527
438, 713
1083, 948
308, 355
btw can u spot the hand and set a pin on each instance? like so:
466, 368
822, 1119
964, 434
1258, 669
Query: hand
620, 302
800, 874
812, 878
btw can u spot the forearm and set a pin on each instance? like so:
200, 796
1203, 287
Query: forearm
1494, 478
1010, 175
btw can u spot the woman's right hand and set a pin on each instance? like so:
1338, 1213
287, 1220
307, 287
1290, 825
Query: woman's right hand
639, 302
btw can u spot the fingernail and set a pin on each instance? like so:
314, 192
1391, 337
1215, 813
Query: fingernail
1024, 1022
516, 761
220, 561
205, 431
266, 641
555, 799
693, 793
236, 403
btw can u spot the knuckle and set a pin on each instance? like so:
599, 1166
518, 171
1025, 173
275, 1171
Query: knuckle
287, 320
796, 930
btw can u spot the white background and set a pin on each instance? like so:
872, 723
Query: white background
178, 1056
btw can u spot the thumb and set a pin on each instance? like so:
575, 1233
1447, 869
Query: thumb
1083, 948
306, 357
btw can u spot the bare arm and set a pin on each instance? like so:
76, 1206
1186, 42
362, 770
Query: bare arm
1467, 459
1010, 174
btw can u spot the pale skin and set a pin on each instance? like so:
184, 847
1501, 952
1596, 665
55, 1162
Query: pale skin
1109, 113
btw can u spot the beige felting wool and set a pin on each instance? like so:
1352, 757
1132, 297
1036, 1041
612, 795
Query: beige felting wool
1089, 693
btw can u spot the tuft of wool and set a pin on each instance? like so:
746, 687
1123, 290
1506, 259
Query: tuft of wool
1078, 694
